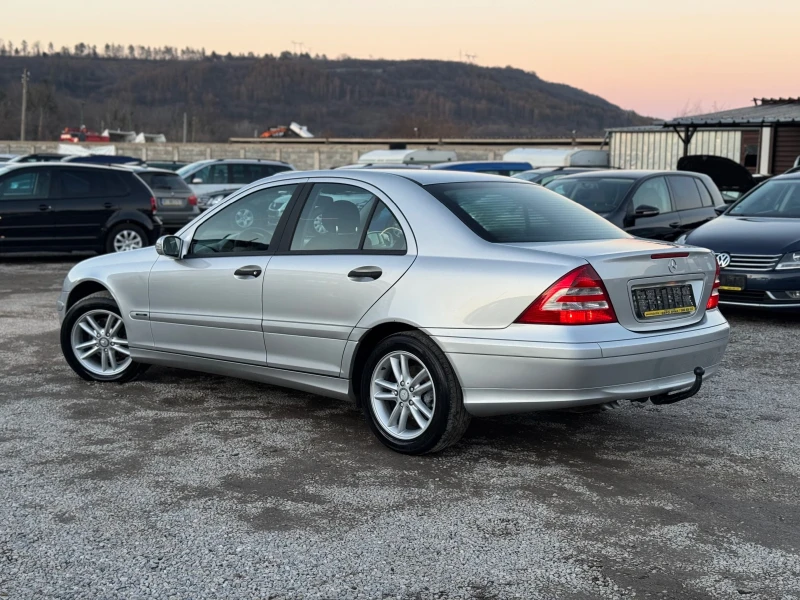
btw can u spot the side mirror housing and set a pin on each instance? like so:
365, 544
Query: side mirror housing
169, 245
646, 211
721, 208
197, 180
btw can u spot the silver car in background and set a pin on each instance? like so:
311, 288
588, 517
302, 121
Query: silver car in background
425, 296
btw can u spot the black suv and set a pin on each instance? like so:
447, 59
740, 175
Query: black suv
657, 205
58, 206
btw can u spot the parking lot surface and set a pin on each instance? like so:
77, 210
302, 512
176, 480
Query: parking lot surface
185, 485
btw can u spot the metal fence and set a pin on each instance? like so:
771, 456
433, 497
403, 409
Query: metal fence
661, 149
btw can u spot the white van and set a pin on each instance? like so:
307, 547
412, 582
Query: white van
407, 157
559, 157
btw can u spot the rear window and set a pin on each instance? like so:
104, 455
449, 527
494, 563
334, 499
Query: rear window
599, 194
502, 212
164, 181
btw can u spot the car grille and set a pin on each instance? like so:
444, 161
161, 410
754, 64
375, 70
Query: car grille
743, 296
754, 262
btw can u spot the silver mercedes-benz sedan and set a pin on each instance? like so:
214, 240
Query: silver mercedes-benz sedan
425, 296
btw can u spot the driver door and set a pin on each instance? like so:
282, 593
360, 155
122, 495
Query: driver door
666, 225
209, 303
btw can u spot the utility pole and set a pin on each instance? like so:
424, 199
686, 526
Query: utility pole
26, 76
81, 124
185, 127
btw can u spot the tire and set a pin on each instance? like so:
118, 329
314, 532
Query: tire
444, 402
110, 360
124, 237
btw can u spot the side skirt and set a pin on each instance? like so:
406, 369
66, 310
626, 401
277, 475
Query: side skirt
332, 387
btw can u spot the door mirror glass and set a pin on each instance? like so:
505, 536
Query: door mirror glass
169, 245
645, 210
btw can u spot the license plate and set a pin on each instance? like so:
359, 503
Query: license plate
663, 301
732, 283
171, 202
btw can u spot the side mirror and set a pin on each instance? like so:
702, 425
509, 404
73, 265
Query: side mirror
197, 180
645, 210
721, 208
169, 245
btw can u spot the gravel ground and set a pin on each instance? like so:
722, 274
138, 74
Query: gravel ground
185, 485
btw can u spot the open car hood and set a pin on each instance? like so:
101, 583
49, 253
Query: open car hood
726, 174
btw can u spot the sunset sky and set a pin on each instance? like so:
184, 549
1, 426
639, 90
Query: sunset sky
657, 58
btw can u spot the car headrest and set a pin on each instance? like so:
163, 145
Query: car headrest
341, 217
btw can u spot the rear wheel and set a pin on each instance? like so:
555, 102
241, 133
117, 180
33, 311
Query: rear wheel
95, 343
411, 397
125, 237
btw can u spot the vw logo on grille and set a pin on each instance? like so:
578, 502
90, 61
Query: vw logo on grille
673, 265
723, 260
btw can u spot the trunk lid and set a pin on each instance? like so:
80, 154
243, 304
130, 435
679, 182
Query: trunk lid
657, 274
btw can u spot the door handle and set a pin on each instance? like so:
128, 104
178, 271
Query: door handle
365, 273
675, 224
45, 207
248, 272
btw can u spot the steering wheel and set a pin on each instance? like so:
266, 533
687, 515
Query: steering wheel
391, 236
251, 234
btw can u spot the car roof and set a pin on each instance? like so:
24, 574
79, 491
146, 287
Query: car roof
419, 176
62, 165
497, 164
626, 174
255, 161
784, 176
139, 169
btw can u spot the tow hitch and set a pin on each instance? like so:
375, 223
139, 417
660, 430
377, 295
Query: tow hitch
671, 398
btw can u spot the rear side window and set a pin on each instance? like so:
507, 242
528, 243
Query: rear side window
502, 212
705, 195
250, 172
685, 193
164, 181
92, 183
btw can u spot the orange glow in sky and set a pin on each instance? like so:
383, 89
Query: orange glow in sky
657, 58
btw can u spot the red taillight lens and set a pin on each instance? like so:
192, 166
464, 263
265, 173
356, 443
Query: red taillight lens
192, 200
153, 205
578, 298
713, 301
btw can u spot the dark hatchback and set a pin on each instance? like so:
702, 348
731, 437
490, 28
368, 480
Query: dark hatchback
177, 204
757, 243
57, 207
655, 205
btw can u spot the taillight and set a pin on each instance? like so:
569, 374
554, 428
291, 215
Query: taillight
578, 298
153, 205
192, 200
713, 301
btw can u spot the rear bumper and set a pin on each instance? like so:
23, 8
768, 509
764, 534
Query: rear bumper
511, 376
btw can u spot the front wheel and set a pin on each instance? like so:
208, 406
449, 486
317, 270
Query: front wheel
411, 396
95, 343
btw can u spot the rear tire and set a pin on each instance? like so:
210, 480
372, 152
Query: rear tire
125, 237
410, 395
95, 343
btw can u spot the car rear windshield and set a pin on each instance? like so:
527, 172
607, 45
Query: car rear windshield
777, 198
165, 181
517, 212
598, 194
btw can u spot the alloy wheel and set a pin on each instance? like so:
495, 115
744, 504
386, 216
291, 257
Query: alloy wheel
403, 395
100, 344
126, 240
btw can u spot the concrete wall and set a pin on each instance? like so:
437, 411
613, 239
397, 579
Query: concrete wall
302, 155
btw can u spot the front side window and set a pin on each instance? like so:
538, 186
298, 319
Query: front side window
26, 185
599, 194
247, 225
511, 212
653, 193
776, 198
333, 218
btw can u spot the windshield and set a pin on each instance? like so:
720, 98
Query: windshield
599, 194
517, 212
164, 181
186, 170
777, 198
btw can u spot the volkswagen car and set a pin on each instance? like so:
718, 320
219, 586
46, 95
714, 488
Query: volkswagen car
425, 296
757, 244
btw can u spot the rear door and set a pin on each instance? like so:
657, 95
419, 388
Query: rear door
653, 193
346, 246
85, 200
693, 200
26, 215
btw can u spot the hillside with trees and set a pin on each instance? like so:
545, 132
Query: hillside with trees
149, 89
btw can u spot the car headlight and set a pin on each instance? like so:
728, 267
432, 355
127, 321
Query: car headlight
681, 240
789, 261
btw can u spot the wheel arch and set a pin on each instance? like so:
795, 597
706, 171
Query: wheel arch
366, 344
86, 288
